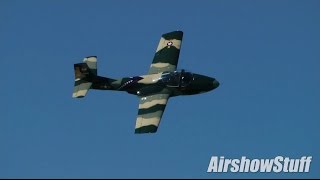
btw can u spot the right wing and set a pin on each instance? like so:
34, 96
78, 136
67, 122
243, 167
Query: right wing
150, 112
167, 54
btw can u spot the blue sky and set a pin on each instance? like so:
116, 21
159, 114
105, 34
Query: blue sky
264, 53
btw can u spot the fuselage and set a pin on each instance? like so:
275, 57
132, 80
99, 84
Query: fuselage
176, 83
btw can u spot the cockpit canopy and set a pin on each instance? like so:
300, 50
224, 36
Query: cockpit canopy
177, 78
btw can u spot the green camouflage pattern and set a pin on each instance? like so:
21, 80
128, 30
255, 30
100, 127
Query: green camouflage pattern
150, 112
153, 89
167, 53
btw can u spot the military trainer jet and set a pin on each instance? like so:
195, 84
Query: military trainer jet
153, 89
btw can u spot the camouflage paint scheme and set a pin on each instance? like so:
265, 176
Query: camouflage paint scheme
153, 89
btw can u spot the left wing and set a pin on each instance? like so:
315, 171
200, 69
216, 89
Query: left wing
150, 112
167, 54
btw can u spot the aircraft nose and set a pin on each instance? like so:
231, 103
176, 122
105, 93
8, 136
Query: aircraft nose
215, 83
204, 83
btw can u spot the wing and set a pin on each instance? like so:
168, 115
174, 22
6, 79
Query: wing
167, 53
150, 112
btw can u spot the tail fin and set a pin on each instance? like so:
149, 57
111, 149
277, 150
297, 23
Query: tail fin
84, 73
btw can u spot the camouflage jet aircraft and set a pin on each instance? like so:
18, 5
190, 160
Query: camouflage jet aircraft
154, 89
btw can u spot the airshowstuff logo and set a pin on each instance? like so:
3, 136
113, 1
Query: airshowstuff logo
277, 165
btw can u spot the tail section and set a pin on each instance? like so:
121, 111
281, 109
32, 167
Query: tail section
84, 74
91, 62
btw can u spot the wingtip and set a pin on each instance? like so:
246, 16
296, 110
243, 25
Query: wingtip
91, 56
146, 129
173, 35
176, 31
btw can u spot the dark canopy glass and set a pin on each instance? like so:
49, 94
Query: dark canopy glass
177, 78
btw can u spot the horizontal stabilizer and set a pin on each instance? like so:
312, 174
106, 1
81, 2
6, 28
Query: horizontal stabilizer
83, 75
91, 61
81, 88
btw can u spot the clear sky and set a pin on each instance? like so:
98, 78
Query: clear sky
266, 55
